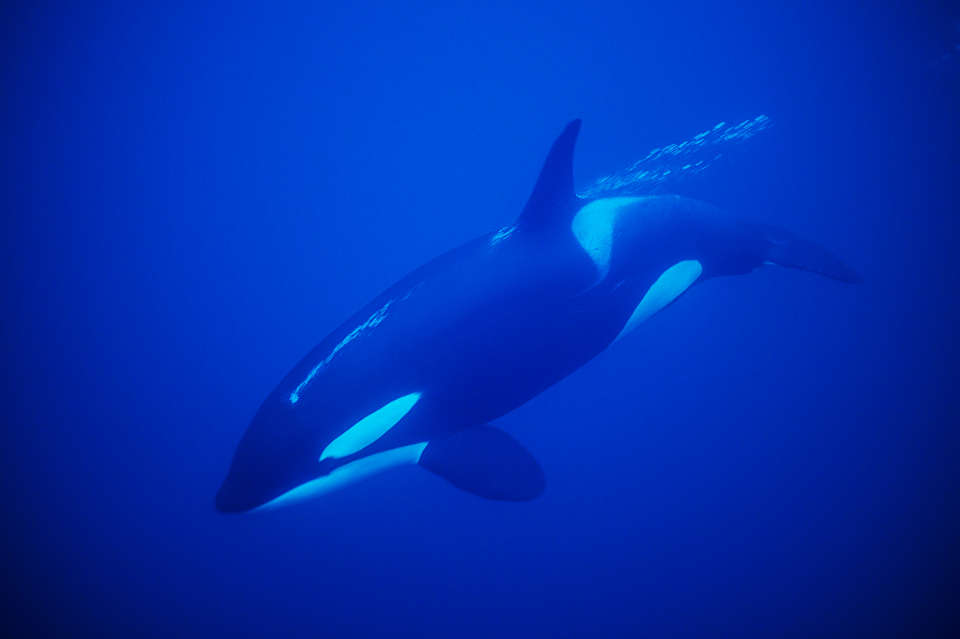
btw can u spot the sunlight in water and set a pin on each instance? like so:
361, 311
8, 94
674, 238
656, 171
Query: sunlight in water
674, 162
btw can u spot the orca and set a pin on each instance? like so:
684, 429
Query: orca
418, 374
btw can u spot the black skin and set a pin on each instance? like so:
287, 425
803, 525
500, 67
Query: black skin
486, 327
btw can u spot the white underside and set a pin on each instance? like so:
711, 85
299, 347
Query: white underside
669, 286
348, 474
594, 226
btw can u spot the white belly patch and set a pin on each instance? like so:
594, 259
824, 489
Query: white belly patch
349, 473
669, 286
593, 226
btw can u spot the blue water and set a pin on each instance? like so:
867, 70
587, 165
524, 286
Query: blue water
195, 196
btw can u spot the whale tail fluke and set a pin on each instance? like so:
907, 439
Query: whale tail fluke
785, 249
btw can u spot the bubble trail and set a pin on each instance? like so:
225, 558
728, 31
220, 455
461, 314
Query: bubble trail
675, 162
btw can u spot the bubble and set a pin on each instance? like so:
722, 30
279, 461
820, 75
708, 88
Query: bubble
672, 162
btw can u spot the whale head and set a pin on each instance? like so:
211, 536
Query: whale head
285, 458
275, 454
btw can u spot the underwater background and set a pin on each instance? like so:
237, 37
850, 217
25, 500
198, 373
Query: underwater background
196, 194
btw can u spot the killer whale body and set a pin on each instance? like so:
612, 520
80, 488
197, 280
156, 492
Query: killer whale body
417, 375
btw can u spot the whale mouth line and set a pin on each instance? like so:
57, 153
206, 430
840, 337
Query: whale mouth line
230, 500
347, 474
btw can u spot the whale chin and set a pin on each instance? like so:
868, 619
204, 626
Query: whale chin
230, 499
237, 496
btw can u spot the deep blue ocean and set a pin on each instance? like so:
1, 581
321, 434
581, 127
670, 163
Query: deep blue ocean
196, 194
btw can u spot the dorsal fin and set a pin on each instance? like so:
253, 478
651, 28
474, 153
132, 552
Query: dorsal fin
554, 201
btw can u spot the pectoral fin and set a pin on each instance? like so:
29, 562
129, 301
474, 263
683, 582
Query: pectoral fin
487, 462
